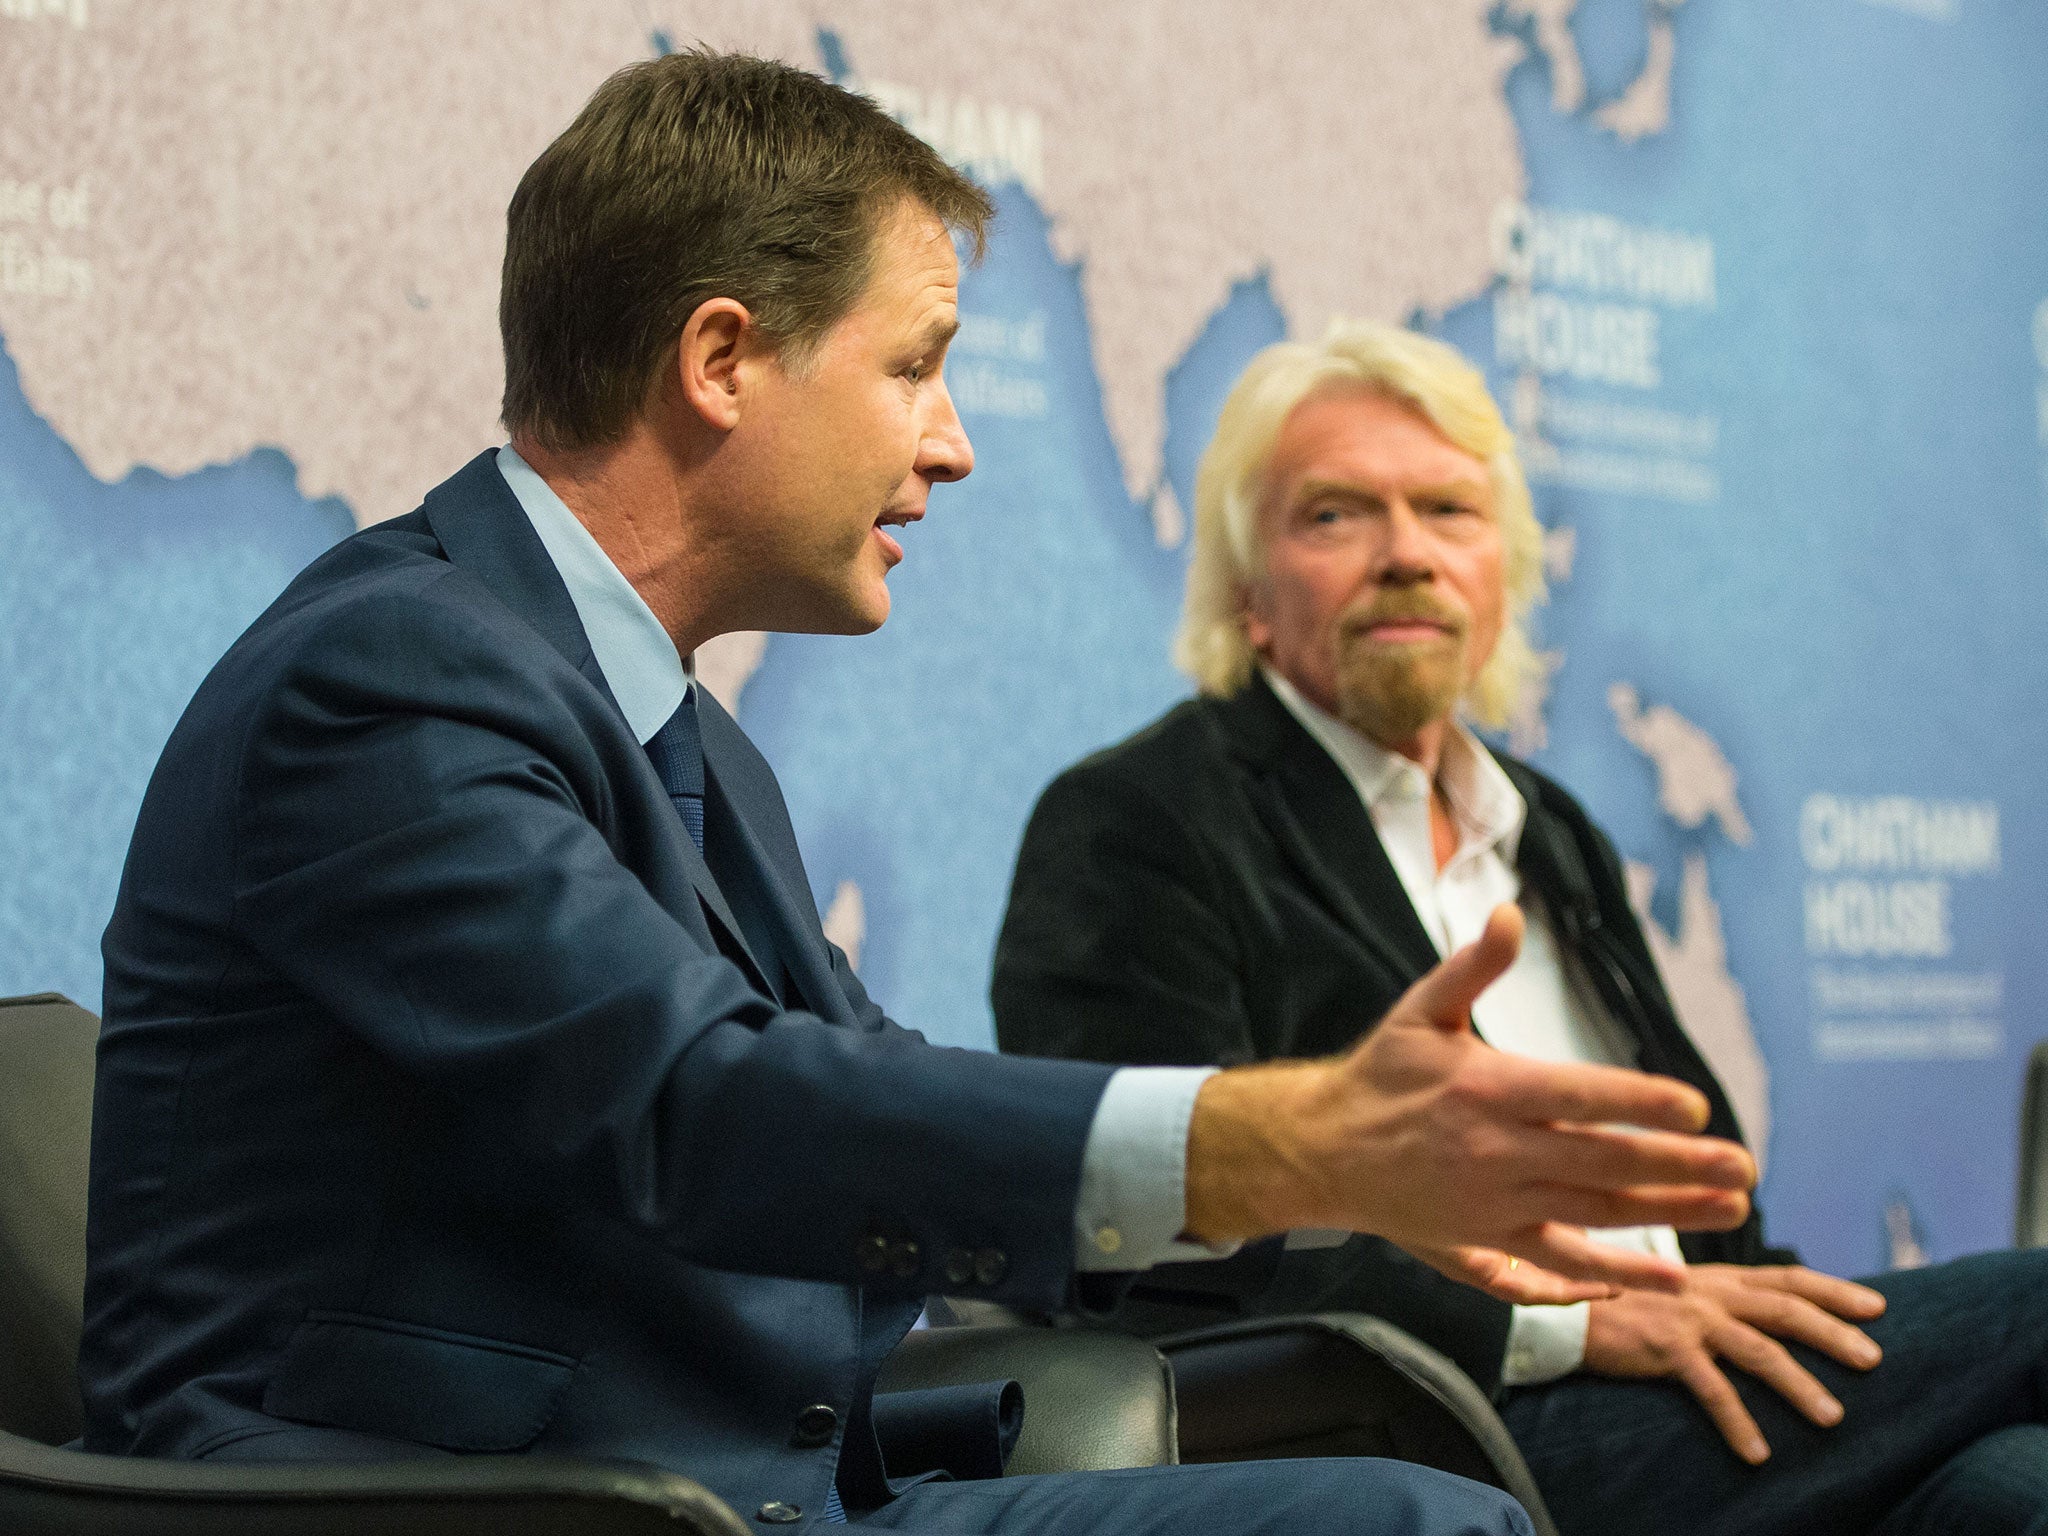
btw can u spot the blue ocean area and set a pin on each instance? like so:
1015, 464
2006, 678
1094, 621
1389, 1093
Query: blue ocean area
115, 600
1878, 256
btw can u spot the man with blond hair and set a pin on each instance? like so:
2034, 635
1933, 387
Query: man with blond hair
1254, 876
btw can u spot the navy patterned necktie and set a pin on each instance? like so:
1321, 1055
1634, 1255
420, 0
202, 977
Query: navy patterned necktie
677, 752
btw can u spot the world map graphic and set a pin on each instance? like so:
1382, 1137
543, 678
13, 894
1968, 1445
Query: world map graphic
1762, 289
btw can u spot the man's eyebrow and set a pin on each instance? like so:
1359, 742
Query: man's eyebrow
1346, 490
1340, 490
938, 333
1453, 490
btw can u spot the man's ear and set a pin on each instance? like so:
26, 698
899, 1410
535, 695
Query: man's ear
1251, 611
719, 347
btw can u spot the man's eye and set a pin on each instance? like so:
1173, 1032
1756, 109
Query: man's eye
916, 372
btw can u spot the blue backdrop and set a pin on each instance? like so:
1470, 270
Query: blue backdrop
1777, 345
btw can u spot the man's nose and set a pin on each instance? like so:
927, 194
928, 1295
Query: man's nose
1408, 553
944, 453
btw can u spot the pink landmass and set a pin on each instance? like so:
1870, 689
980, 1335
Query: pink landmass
294, 212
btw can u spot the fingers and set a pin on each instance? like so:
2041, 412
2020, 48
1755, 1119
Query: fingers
1771, 1363
1718, 1396
1794, 1317
1689, 1209
1509, 1278
1444, 997
1602, 1095
1569, 1252
1612, 1157
1844, 1298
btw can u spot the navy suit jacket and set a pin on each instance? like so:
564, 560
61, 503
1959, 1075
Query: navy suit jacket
442, 1101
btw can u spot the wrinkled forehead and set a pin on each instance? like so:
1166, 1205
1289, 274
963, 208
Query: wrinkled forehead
1348, 433
912, 259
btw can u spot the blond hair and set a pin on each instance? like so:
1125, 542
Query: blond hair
1416, 370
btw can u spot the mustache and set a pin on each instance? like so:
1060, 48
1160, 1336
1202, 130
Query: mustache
1401, 607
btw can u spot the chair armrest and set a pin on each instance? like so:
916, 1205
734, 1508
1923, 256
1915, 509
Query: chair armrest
50, 1492
1092, 1401
1339, 1384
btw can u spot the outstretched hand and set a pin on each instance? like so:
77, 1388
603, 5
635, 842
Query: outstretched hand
1485, 1165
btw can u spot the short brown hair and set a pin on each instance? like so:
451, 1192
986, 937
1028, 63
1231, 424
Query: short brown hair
695, 176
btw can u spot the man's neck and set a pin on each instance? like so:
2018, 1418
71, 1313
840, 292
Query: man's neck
638, 505
1425, 748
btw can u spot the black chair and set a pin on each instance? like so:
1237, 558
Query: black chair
1316, 1384
1095, 1402
1339, 1384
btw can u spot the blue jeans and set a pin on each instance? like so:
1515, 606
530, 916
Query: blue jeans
1944, 1436
1331, 1497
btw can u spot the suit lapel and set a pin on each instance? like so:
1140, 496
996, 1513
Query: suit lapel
1556, 868
1321, 826
783, 911
708, 892
485, 533
749, 809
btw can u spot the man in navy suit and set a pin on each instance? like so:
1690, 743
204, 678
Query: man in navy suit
476, 1076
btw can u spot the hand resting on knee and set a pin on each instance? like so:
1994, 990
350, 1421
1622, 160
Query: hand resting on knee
1737, 1314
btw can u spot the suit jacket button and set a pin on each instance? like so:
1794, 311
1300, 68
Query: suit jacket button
873, 1253
990, 1265
959, 1267
778, 1513
814, 1426
903, 1259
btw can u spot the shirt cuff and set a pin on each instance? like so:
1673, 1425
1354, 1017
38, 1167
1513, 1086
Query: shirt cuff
1545, 1343
1134, 1171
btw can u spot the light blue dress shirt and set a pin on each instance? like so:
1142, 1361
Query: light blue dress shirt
1133, 1198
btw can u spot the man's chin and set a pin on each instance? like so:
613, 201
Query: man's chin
864, 612
858, 612
1393, 703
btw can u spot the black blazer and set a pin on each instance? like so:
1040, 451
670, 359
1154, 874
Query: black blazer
1212, 890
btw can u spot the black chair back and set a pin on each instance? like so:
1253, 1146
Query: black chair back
46, 1077
47, 1046
2030, 1217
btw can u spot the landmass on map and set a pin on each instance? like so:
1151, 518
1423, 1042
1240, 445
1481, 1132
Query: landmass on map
1695, 781
726, 665
230, 227
1710, 1001
846, 921
1644, 106
287, 220
1560, 49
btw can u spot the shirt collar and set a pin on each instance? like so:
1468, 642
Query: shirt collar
639, 661
1485, 805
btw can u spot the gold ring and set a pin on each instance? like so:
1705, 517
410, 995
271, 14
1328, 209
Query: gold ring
1514, 1263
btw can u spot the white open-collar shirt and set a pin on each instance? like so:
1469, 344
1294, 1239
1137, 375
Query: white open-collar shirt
1542, 1006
